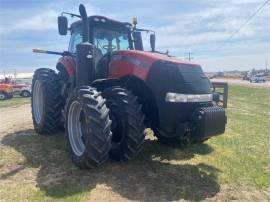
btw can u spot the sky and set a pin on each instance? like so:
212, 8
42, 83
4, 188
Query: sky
202, 27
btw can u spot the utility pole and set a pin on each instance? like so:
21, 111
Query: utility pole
266, 64
15, 73
189, 56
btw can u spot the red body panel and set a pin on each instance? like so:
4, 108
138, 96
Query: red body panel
124, 63
19, 86
5, 87
136, 63
69, 63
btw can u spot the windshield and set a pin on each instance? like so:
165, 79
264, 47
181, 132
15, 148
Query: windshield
110, 40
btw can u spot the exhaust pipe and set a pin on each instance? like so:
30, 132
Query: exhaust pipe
83, 14
85, 72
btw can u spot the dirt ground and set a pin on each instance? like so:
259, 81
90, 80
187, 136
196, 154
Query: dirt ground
243, 83
37, 171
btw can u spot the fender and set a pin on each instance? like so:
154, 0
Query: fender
101, 84
140, 89
69, 64
124, 63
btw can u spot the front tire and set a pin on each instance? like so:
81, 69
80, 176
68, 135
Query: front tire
46, 101
127, 123
88, 128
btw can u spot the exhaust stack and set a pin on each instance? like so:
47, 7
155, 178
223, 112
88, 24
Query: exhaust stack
85, 72
83, 14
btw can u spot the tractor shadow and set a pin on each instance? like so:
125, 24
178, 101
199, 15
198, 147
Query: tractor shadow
157, 174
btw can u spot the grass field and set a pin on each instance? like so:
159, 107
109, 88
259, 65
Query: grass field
14, 102
233, 166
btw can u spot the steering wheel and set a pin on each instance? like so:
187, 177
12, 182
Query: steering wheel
109, 47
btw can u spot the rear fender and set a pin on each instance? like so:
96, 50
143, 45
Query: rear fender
68, 63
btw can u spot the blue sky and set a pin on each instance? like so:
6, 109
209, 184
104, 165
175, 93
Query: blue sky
201, 27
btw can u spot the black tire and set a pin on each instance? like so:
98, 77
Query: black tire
127, 123
48, 103
25, 93
92, 124
3, 96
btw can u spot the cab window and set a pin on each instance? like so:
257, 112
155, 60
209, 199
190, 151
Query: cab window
76, 38
106, 40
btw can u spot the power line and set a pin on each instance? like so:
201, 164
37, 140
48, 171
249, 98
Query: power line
246, 22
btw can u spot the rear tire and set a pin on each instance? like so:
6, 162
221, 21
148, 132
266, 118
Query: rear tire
127, 123
88, 128
46, 101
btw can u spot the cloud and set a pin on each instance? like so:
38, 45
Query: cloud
44, 19
40, 22
212, 26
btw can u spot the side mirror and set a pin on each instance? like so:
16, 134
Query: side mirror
137, 36
62, 25
153, 41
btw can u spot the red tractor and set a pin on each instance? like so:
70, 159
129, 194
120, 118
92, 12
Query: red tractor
108, 90
6, 89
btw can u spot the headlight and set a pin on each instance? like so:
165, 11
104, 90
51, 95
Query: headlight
177, 97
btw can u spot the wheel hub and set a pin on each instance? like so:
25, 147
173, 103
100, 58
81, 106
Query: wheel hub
2, 96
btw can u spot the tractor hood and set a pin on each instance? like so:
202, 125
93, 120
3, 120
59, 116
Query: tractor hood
160, 72
150, 57
163, 75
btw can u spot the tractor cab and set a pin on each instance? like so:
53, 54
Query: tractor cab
106, 36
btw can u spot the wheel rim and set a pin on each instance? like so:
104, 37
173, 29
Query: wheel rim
25, 94
2, 96
38, 103
76, 128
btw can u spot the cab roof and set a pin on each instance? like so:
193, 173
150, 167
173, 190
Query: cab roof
101, 20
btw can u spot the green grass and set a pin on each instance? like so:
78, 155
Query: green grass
38, 168
15, 101
242, 154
